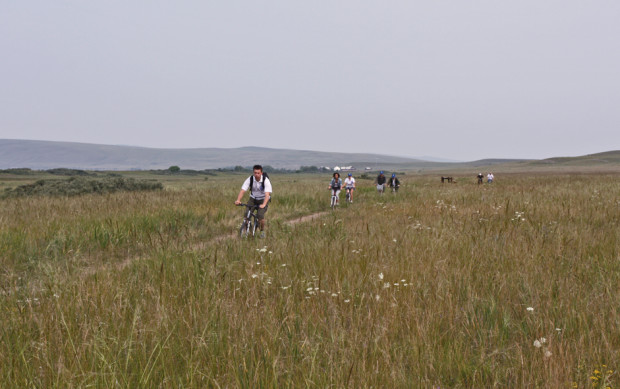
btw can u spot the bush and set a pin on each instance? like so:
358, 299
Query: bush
17, 171
69, 172
75, 186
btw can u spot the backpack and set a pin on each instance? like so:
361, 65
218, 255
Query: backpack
262, 184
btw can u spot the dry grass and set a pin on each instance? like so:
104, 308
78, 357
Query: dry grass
427, 288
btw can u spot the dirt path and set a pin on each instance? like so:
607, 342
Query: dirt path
291, 222
201, 245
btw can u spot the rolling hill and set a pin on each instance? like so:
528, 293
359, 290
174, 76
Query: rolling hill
41, 155
46, 155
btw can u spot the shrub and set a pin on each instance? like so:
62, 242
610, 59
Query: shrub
70, 172
75, 186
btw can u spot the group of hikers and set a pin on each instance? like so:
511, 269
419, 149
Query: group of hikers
260, 189
490, 178
337, 184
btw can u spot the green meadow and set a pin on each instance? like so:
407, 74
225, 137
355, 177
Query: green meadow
514, 284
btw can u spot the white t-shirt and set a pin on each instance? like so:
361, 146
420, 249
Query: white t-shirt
257, 193
349, 182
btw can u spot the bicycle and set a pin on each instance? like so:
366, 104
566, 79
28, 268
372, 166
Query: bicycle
334, 202
348, 195
250, 221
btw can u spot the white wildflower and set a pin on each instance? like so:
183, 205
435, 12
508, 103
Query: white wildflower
543, 340
254, 275
386, 285
377, 297
530, 309
548, 354
537, 344
334, 294
347, 301
380, 276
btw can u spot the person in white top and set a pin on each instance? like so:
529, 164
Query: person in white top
349, 185
490, 178
260, 188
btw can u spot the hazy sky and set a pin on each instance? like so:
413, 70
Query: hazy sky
456, 79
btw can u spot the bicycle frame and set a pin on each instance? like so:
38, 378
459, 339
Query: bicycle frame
348, 193
334, 202
250, 221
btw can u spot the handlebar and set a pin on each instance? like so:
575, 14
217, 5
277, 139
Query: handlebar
257, 206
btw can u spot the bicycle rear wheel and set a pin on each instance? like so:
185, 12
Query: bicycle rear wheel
333, 204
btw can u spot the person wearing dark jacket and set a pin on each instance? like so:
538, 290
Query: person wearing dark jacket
394, 183
380, 182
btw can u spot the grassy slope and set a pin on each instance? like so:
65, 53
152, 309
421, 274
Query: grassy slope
427, 288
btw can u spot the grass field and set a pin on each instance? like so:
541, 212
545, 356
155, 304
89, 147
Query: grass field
514, 284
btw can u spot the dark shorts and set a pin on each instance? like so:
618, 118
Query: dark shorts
261, 212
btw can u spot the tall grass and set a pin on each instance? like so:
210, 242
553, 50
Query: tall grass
439, 286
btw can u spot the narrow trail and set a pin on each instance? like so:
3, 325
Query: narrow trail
201, 245
291, 222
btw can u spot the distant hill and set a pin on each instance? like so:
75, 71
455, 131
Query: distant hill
598, 159
47, 155
43, 155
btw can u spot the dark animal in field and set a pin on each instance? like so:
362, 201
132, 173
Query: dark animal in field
449, 179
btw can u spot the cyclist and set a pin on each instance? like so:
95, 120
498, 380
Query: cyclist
259, 185
380, 182
349, 186
336, 185
393, 182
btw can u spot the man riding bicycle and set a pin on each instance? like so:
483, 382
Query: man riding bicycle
380, 182
260, 194
394, 183
336, 185
349, 186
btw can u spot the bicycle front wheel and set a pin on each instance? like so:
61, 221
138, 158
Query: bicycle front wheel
245, 228
252, 228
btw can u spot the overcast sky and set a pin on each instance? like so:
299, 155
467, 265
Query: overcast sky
462, 80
